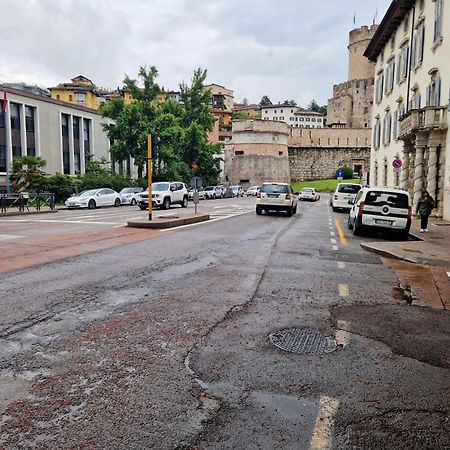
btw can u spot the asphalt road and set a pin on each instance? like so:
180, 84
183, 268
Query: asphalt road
164, 344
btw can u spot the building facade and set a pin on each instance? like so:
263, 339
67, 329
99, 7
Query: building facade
293, 115
60, 133
410, 117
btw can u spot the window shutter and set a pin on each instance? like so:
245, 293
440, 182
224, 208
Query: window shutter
428, 94
422, 43
437, 92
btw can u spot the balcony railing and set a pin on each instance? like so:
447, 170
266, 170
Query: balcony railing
425, 119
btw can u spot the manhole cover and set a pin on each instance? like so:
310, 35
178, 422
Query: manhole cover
303, 341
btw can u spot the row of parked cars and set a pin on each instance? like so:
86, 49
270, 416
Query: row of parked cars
387, 210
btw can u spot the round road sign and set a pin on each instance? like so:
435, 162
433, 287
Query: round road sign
397, 163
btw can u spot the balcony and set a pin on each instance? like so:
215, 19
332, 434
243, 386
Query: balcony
425, 119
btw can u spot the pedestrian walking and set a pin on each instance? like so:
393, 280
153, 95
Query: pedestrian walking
424, 207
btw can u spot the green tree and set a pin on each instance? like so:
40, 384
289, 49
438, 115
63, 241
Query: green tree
265, 101
61, 185
323, 110
290, 102
313, 106
27, 173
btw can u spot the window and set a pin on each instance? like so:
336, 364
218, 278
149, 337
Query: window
65, 143
15, 117
379, 87
433, 94
420, 44
308, 119
302, 119
395, 126
390, 74
405, 55
387, 128
81, 99
399, 67
376, 134
319, 120
437, 20
29, 119
70, 98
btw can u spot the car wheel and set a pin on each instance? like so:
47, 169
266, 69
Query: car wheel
166, 203
92, 204
142, 207
404, 235
184, 203
133, 202
294, 211
259, 210
334, 209
289, 211
117, 202
356, 229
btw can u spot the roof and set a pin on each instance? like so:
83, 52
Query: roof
42, 98
391, 20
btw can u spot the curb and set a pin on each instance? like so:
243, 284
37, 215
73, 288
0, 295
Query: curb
26, 213
163, 223
386, 253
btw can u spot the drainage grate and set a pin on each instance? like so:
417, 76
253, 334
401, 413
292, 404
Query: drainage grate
303, 341
368, 258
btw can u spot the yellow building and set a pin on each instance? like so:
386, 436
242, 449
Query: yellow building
81, 91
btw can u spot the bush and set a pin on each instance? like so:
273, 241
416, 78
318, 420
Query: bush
348, 172
61, 185
93, 180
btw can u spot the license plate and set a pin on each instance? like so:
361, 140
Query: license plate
272, 195
383, 222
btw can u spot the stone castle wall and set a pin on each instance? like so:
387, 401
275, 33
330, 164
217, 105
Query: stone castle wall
318, 163
329, 138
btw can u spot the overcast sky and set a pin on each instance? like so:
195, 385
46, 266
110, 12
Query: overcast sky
289, 49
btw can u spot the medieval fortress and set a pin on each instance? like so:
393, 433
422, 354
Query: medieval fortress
262, 150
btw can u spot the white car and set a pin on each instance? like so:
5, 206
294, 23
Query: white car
276, 197
201, 193
343, 193
93, 198
165, 194
130, 196
308, 193
238, 191
210, 192
382, 209
252, 191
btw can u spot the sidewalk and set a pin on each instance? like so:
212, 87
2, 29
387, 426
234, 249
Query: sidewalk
423, 265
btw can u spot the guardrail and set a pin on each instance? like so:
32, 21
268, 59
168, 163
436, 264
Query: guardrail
26, 201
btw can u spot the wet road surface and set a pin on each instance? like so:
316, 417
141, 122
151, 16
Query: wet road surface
164, 343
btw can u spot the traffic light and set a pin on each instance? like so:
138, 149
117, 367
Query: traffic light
155, 145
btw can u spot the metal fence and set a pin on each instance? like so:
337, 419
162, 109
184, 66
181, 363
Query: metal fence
26, 201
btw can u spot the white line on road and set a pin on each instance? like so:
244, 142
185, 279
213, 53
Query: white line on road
341, 264
4, 237
335, 248
322, 437
333, 241
332, 233
343, 290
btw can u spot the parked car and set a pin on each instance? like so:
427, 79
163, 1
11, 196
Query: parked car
219, 191
201, 193
238, 191
309, 193
210, 192
383, 209
129, 195
276, 197
252, 191
165, 194
228, 193
343, 193
93, 198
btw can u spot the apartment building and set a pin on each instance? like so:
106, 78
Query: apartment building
410, 120
294, 116
61, 133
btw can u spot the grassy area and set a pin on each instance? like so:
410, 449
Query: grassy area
321, 185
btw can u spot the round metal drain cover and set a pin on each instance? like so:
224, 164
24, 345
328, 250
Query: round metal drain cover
303, 341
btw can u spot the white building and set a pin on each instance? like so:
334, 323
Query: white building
60, 133
410, 120
293, 115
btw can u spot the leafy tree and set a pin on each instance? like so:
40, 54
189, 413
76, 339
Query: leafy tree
27, 173
323, 110
347, 171
244, 101
290, 102
265, 101
313, 106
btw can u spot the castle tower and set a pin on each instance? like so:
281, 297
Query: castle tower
359, 67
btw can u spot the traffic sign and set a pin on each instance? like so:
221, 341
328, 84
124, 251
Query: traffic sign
340, 175
397, 163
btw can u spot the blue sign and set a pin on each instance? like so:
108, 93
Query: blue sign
340, 174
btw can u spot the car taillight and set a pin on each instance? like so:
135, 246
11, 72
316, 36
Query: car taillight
409, 212
335, 197
361, 207
258, 194
288, 196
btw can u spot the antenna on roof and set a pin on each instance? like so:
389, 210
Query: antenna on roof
375, 16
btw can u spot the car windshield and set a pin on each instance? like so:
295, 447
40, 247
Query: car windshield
381, 198
307, 190
127, 190
209, 188
275, 188
253, 188
349, 188
88, 193
158, 187
235, 187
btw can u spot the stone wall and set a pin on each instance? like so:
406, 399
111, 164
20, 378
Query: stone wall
359, 67
329, 137
319, 163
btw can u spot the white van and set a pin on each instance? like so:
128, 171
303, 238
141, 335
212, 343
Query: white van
382, 209
343, 194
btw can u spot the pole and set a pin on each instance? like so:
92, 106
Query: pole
7, 125
149, 174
